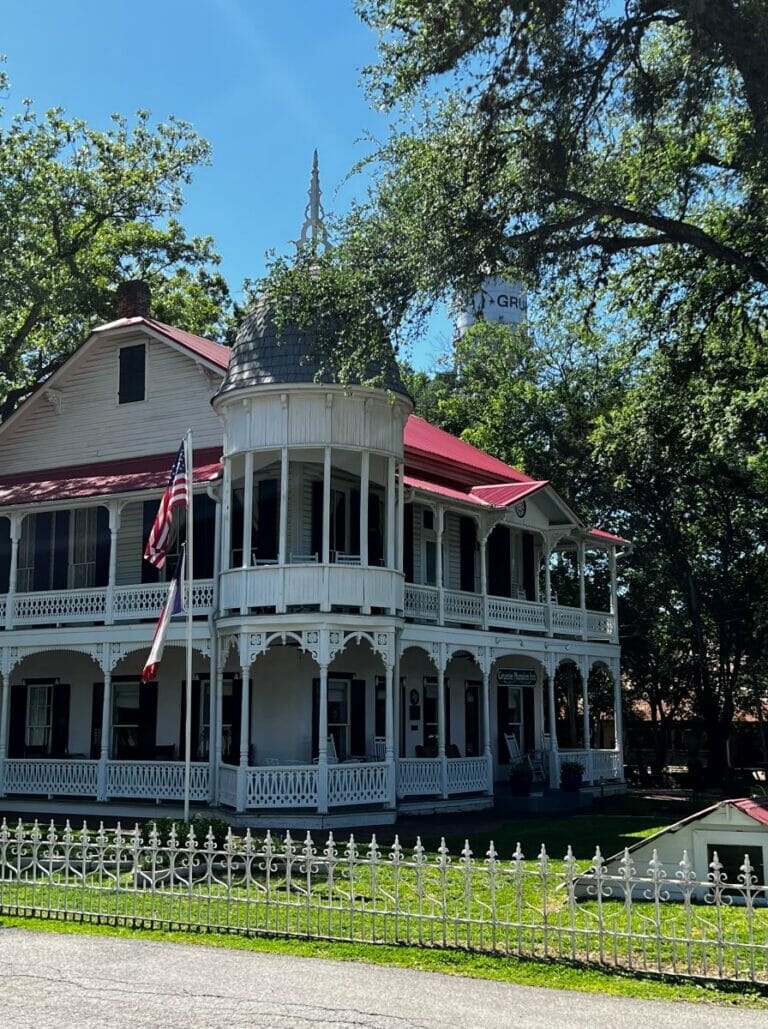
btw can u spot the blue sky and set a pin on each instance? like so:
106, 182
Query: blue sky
263, 81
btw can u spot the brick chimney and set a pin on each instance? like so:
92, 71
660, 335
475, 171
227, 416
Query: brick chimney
133, 299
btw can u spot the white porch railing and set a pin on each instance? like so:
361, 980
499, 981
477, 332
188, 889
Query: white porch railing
467, 774
358, 784
51, 777
418, 776
310, 585
71, 607
423, 603
228, 785
597, 764
158, 780
294, 786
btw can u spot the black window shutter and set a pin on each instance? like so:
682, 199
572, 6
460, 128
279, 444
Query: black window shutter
5, 554
60, 719
447, 713
316, 537
148, 571
265, 538
102, 547
41, 577
354, 521
357, 717
375, 529
195, 740
132, 374
529, 569
315, 717
408, 542
17, 720
60, 562
203, 535
499, 575
147, 720
502, 711
467, 538
97, 704
529, 731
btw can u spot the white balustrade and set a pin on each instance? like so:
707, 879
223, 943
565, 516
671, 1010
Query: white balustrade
504, 612
60, 606
51, 777
418, 776
567, 621
275, 787
597, 764
228, 785
145, 601
467, 774
358, 784
310, 585
606, 764
421, 602
460, 606
600, 623
158, 780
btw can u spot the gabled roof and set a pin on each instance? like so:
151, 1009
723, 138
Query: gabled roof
507, 493
198, 345
428, 449
601, 534
103, 478
444, 491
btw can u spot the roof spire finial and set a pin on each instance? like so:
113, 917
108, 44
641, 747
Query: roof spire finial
313, 232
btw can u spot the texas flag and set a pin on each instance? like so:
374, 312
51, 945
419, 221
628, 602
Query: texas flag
174, 605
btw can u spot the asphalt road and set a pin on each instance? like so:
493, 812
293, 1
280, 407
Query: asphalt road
48, 979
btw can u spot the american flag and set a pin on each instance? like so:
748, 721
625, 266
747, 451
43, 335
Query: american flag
174, 605
176, 495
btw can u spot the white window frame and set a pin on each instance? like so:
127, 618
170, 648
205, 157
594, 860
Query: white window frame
38, 732
343, 727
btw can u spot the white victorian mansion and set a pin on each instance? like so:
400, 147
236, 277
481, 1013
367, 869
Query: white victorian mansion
375, 622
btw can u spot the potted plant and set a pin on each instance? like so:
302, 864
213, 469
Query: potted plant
571, 774
520, 779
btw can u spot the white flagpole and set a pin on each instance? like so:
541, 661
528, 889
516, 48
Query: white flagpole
190, 576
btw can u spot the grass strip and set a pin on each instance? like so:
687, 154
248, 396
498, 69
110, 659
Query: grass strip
549, 974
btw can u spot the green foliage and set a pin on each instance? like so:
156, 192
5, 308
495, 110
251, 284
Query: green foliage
81, 210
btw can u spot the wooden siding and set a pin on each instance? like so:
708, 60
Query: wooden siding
92, 426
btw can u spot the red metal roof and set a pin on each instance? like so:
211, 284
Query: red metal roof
205, 348
443, 491
428, 449
601, 534
507, 493
104, 478
756, 808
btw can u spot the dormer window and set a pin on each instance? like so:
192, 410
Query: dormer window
132, 374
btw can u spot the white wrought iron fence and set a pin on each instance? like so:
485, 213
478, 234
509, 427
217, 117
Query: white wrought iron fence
647, 919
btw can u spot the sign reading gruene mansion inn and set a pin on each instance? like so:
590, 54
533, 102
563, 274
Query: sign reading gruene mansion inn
373, 606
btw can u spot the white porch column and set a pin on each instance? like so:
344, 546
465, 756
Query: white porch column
10, 598
618, 716
365, 484
226, 518
614, 598
114, 528
326, 555
583, 666
439, 520
247, 527
547, 553
486, 717
581, 554
322, 743
400, 516
389, 731
5, 693
441, 728
106, 720
245, 727
554, 761
484, 575
390, 558
282, 551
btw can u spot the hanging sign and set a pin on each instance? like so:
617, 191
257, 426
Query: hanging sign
516, 677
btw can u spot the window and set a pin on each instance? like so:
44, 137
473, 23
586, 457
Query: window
132, 374
39, 709
125, 719
26, 556
338, 716
84, 548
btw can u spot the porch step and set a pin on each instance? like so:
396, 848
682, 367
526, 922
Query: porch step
431, 806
